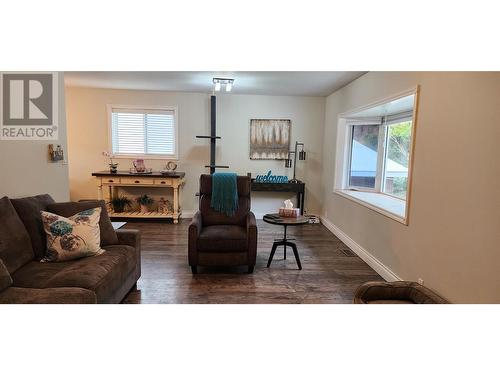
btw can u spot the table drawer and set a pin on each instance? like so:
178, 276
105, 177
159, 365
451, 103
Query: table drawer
163, 182
137, 181
110, 180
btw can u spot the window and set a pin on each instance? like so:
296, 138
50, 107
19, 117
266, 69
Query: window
364, 156
375, 153
143, 131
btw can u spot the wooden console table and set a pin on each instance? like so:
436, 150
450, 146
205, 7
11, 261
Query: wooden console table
112, 181
298, 188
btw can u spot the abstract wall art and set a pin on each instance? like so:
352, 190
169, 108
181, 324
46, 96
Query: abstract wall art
269, 139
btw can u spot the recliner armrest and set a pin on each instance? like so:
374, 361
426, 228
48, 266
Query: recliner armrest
194, 231
251, 222
195, 226
252, 239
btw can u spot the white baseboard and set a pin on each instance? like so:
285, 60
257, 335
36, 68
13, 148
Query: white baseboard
364, 254
259, 215
187, 214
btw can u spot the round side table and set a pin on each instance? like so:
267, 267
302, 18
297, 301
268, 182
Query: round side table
275, 219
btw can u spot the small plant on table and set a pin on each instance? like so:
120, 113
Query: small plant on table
144, 201
119, 203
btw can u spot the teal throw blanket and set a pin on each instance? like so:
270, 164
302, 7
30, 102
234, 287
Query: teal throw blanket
224, 193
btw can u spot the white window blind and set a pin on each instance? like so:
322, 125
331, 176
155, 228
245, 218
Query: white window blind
143, 132
398, 118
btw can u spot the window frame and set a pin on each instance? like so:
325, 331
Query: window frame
111, 107
341, 183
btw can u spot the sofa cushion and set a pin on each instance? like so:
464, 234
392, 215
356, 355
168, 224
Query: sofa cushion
15, 242
5, 279
54, 295
28, 210
103, 274
72, 238
67, 209
222, 238
36, 275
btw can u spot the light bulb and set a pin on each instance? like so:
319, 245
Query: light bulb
229, 86
217, 86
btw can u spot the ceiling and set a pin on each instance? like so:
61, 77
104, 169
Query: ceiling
256, 83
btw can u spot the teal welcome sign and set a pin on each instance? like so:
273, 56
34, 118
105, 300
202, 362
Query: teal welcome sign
269, 177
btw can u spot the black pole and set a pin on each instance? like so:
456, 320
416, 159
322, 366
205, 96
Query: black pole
213, 108
295, 161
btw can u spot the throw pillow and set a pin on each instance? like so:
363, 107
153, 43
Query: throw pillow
5, 279
72, 238
66, 209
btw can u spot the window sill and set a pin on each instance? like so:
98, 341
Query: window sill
391, 207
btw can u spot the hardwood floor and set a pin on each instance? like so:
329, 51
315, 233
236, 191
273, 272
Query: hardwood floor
331, 271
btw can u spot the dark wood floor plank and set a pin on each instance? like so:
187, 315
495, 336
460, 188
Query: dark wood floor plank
331, 272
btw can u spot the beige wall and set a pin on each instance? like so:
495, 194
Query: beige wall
26, 169
88, 137
453, 237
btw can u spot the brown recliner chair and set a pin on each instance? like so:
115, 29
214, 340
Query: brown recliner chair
216, 239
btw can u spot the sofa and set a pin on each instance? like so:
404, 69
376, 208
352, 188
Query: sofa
106, 278
215, 239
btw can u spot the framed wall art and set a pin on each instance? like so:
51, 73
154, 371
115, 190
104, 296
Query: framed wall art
269, 139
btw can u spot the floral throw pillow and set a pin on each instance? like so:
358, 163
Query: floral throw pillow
71, 238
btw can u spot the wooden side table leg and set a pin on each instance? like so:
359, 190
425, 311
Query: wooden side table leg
176, 204
99, 192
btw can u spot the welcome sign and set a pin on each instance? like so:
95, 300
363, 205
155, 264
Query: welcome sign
269, 177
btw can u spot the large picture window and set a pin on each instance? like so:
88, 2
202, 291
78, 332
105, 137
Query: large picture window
143, 131
379, 157
376, 155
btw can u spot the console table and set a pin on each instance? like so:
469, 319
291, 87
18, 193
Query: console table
112, 181
298, 188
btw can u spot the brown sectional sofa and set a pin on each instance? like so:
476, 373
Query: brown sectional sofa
106, 278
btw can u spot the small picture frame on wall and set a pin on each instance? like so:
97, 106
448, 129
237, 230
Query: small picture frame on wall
269, 139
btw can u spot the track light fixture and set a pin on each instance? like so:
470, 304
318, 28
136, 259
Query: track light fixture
227, 82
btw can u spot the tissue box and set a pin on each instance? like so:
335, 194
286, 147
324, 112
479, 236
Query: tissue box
289, 212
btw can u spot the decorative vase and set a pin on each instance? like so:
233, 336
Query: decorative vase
113, 167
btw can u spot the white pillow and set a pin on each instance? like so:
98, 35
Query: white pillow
71, 238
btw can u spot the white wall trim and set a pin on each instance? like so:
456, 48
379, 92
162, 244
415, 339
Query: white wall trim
363, 253
187, 214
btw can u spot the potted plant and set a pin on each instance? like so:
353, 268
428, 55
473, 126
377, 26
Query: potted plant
144, 201
119, 203
113, 167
